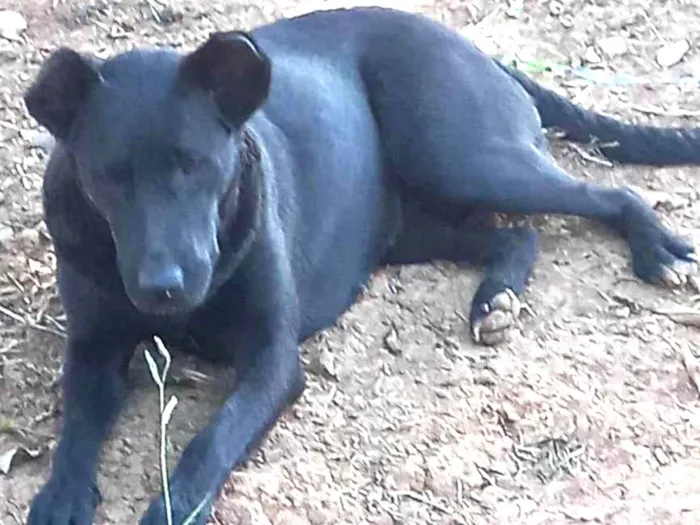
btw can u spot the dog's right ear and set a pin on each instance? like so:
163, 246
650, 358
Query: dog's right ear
60, 89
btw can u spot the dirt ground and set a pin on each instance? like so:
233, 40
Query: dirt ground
589, 413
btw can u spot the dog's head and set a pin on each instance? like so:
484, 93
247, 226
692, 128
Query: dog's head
156, 138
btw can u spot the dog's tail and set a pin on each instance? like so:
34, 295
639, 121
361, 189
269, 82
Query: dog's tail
618, 141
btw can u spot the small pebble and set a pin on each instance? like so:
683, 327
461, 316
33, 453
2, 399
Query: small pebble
613, 46
672, 53
12, 25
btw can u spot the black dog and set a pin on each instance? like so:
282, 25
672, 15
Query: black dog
242, 194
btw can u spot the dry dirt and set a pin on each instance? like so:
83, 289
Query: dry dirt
589, 414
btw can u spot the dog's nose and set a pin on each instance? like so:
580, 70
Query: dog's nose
163, 285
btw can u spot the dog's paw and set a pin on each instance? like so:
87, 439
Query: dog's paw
59, 503
663, 259
677, 274
183, 511
492, 319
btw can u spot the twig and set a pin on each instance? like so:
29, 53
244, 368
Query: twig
12, 315
421, 499
587, 156
14, 515
656, 32
155, 6
21, 320
47, 330
165, 413
60, 327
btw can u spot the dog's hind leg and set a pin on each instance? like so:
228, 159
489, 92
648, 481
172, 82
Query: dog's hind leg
524, 180
507, 254
521, 179
458, 131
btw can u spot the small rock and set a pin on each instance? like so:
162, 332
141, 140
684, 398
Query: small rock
485, 378
623, 312
12, 24
672, 53
613, 46
591, 56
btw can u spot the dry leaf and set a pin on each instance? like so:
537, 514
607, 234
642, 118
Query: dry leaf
10, 459
168, 410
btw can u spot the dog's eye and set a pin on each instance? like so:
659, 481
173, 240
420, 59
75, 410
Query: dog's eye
187, 163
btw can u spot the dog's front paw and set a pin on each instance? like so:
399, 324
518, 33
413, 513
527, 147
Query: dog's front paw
64, 503
183, 511
492, 317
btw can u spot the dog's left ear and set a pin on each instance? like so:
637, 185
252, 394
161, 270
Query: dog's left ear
236, 72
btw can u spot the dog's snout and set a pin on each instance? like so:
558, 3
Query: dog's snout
162, 285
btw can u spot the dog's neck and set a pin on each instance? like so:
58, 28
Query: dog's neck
241, 211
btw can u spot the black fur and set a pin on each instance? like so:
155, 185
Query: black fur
239, 197
624, 143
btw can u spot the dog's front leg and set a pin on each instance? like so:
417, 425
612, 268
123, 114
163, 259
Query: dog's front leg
270, 377
100, 344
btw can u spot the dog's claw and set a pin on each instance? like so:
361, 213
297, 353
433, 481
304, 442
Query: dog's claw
502, 313
678, 274
692, 256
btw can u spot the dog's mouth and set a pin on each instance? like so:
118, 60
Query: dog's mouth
164, 306
164, 310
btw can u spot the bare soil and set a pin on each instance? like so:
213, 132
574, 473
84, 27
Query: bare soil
589, 413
